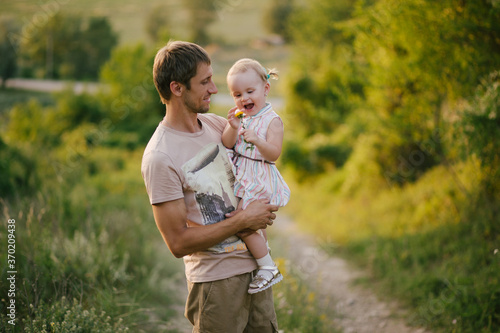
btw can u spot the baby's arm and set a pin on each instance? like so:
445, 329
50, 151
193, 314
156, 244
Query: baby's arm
230, 134
270, 148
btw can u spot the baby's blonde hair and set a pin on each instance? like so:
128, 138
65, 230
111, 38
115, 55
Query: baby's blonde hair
245, 64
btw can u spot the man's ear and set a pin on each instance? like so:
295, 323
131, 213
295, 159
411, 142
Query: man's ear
176, 88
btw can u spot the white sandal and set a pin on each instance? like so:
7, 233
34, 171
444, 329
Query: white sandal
261, 283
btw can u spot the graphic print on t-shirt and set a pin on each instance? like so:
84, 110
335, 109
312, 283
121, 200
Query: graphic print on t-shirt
209, 175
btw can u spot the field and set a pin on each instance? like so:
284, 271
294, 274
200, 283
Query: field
388, 167
237, 28
90, 245
128, 16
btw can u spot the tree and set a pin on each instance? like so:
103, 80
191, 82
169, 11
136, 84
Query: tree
406, 64
132, 102
479, 132
421, 58
277, 17
66, 47
156, 24
324, 83
201, 14
8, 51
98, 39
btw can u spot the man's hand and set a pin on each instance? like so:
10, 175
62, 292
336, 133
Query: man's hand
258, 215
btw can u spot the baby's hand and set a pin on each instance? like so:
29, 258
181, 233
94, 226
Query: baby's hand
250, 136
233, 120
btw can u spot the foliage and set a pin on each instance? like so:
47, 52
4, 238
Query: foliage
66, 316
297, 307
449, 275
410, 90
431, 246
314, 158
11, 97
66, 47
277, 17
17, 171
132, 103
82, 215
480, 131
156, 24
403, 63
201, 14
8, 52
324, 85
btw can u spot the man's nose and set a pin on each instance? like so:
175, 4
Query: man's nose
213, 89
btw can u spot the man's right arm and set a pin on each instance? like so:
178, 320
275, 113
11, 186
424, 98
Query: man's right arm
171, 218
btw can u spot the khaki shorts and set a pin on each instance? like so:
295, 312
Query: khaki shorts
224, 306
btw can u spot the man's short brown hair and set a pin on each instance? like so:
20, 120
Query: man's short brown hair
177, 61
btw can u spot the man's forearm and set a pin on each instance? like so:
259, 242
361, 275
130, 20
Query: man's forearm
182, 240
200, 238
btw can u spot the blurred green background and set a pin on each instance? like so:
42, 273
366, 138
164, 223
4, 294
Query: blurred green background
392, 148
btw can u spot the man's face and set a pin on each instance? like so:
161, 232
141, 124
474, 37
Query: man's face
197, 99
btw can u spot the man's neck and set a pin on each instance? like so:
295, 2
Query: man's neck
181, 119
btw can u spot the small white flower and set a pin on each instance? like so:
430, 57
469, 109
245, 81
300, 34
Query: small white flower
495, 251
454, 322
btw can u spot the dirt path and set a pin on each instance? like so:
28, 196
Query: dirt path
355, 310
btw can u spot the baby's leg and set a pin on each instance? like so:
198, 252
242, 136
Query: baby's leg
268, 273
256, 244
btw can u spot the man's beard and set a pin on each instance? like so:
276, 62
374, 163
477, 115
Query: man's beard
195, 108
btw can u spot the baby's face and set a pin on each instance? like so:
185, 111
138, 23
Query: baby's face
248, 91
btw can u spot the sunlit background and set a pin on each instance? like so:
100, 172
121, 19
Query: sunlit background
392, 149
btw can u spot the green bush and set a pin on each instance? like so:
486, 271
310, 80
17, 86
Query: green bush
18, 176
479, 132
314, 158
71, 317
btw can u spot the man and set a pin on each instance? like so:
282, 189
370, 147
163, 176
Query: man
188, 178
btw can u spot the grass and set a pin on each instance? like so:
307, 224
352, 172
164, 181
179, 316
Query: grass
429, 244
10, 97
90, 245
448, 275
89, 254
299, 310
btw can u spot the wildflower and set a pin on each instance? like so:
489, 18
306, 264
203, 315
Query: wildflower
495, 251
310, 297
239, 114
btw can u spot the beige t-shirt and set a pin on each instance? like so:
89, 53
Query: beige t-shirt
195, 166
